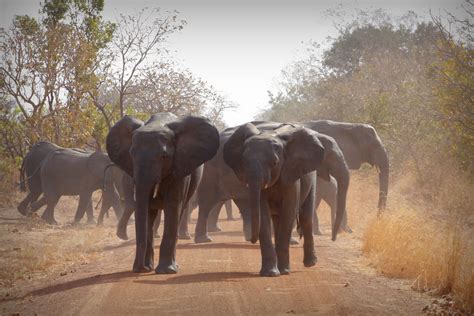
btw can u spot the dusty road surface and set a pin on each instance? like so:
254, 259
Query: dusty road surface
219, 278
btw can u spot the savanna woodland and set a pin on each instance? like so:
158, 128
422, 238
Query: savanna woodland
67, 76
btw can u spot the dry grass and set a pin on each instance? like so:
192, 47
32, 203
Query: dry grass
431, 243
32, 250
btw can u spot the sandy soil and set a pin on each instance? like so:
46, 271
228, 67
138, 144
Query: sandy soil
93, 275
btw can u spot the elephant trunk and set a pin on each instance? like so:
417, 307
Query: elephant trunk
341, 173
384, 169
144, 184
255, 186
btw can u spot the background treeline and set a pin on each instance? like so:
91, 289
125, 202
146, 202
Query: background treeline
411, 79
68, 75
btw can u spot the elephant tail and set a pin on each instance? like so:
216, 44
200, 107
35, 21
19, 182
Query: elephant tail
22, 177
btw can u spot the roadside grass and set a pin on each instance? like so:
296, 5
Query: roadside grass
429, 242
31, 249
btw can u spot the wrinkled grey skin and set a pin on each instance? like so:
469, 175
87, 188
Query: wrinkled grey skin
219, 183
359, 143
56, 171
270, 163
163, 156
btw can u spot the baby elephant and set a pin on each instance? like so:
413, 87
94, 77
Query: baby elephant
73, 172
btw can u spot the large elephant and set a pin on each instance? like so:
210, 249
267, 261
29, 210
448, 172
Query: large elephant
164, 157
219, 182
359, 143
277, 164
62, 171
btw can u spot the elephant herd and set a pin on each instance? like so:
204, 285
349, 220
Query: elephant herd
276, 173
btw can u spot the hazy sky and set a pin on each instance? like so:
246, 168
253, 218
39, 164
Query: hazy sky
240, 47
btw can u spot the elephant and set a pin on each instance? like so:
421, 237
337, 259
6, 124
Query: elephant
219, 182
73, 172
359, 143
86, 168
276, 164
164, 156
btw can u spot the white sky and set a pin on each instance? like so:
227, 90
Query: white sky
240, 47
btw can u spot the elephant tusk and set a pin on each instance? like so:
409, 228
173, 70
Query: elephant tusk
155, 195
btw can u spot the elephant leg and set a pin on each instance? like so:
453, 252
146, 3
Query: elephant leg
207, 200
30, 198
48, 214
123, 222
84, 199
276, 225
183, 232
316, 229
149, 251
214, 217
282, 243
228, 210
306, 223
90, 213
35, 206
157, 222
167, 262
244, 207
269, 258
103, 211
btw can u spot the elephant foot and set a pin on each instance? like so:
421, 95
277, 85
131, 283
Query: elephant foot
214, 229
166, 269
284, 271
91, 221
269, 272
293, 241
316, 231
141, 268
184, 235
22, 209
202, 239
310, 260
347, 229
50, 221
122, 234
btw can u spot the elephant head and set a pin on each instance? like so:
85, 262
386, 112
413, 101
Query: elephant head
153, 151
261, 159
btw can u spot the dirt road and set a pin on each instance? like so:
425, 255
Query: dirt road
221, 278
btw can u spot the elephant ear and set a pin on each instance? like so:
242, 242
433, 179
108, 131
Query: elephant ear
303, 153
119, 140
234, 148
196, 141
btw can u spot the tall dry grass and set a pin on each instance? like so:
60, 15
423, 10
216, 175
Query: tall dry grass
427, 240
